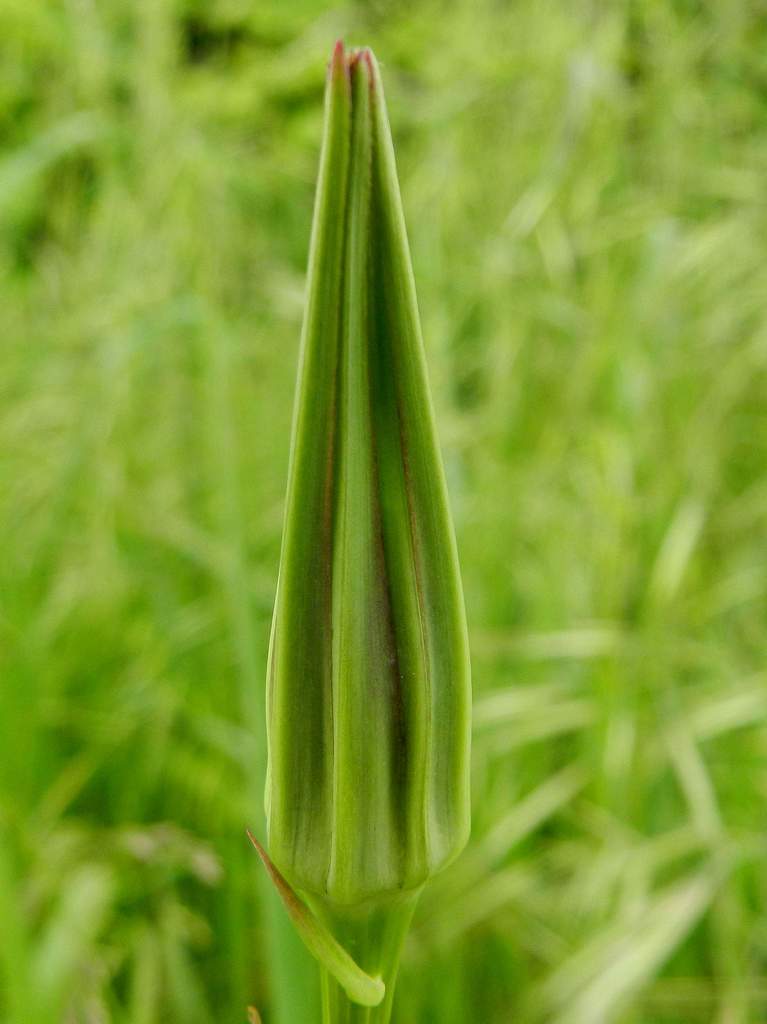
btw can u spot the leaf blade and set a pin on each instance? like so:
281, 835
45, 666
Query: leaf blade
359, 986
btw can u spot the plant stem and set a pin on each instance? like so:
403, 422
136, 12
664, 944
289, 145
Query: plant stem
374, 937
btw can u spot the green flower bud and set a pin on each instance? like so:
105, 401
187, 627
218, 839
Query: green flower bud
368, 683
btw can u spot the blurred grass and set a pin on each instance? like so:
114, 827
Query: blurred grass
584, 185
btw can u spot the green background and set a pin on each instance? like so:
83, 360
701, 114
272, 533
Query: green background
584, 184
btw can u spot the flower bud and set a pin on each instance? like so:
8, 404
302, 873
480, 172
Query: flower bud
368, 684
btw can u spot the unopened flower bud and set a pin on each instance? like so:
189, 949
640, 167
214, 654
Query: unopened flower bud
368, 682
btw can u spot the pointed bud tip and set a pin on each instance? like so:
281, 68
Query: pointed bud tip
337, 66
362, 60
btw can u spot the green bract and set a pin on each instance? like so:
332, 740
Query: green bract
368, 684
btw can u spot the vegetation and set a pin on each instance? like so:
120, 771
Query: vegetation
368, 791
584, 189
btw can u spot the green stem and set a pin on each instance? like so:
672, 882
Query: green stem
373, 936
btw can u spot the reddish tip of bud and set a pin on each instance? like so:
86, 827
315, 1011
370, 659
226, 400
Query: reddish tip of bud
337, 61
362, 59
367, 56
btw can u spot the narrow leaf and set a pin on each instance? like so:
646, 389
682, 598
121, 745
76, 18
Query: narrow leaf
359, 986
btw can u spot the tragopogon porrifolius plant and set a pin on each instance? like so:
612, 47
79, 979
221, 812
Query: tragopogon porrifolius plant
368, 696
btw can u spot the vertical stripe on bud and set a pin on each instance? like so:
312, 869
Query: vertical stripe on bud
368, 692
